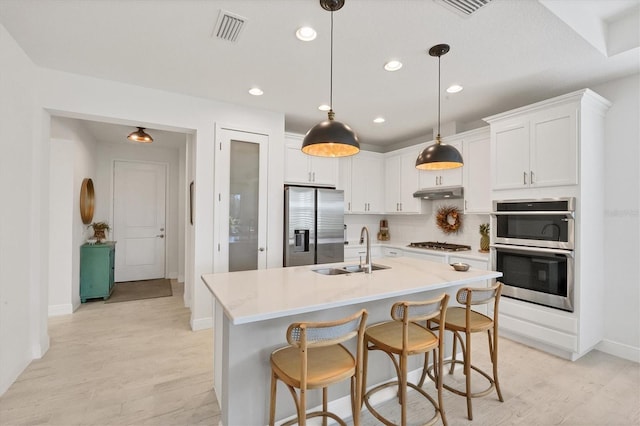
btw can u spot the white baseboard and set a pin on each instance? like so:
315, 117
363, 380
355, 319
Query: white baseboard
57, 310
620, 350
201, 324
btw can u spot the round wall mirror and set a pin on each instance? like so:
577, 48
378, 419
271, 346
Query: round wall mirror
87, 201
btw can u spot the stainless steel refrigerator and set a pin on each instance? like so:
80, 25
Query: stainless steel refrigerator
313, 226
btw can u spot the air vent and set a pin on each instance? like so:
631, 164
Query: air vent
229, 26
465, 7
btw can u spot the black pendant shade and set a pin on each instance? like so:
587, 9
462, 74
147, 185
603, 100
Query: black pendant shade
331, 138
439, 156
140, 136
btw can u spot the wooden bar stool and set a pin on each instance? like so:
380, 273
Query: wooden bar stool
465, 320
316, 359
401, 338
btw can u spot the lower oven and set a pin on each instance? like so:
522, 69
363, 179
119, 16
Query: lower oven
544, 276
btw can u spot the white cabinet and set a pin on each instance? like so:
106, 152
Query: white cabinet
392, 252
300, 168
559, 143
401, 182
535, 148
442, 178
357, 252
440, 258
477, 171
362, 180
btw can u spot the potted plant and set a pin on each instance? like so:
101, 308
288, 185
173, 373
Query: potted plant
484, 237
99, 230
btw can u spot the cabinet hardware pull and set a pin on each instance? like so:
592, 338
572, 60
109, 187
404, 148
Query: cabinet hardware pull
261, 249
524, 178
314, 176
400, 206
349, 208
531, 177
161, 236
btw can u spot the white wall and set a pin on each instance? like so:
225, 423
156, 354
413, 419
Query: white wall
622, 218
73, 152
22, 243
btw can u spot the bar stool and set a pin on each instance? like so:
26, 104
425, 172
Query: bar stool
404, 337
316, 358
465, 320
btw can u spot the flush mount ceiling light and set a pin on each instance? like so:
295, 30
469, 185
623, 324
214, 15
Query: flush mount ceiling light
331, 138
140, 136
379, 120
306, 34
255, 91
439, 156
393, 65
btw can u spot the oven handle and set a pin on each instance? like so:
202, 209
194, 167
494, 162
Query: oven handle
566, 213
568, 253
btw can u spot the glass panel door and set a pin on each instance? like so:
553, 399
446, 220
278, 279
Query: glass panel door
241, 175
243, 205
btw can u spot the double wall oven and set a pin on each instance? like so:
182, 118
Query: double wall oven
533, 246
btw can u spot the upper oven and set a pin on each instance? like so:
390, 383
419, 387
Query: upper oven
537, 223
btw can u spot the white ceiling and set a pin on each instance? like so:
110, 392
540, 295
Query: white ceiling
507, 54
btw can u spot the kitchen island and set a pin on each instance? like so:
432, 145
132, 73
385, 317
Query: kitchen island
254, 308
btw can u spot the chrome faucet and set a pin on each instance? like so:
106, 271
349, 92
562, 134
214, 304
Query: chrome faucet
367, 263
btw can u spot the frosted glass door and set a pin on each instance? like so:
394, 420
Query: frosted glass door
243, 206
242, 201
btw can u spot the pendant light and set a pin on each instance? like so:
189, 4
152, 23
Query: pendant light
439, 156
331, 138
140, 136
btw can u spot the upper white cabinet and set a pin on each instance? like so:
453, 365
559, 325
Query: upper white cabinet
401, 181
438, 178
477, 171
300, 168
536, 147
362, 180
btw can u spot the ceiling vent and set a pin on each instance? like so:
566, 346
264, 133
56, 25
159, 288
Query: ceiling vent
464, 7
229, 26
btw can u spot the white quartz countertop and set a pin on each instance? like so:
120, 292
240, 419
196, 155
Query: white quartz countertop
252, 296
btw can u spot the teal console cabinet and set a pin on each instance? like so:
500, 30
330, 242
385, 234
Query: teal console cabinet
97, 270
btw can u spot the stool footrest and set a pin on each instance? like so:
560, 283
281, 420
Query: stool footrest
396, 383
484, 392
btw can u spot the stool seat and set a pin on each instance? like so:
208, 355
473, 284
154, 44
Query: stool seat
387, 336
325, 365
456, 320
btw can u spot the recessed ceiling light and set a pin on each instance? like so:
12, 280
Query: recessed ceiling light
324, 107
379, 120
454, 88
256, 91
393, 65
306, 34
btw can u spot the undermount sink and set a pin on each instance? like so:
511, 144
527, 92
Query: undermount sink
357, 268
330, 271
347, 269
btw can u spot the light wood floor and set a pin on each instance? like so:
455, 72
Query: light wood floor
138, 363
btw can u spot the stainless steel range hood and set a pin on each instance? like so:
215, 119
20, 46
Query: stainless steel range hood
443, 193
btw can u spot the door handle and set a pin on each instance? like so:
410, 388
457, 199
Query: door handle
161, 236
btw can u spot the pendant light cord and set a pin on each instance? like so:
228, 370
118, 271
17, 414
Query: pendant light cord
438, 137
331, 71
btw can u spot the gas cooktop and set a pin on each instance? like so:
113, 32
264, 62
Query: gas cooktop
435, 245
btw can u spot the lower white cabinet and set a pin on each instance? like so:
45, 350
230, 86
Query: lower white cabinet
441, 258
356, 252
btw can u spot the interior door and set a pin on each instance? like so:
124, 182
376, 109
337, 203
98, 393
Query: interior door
139, 220
242, 199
